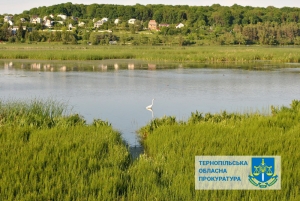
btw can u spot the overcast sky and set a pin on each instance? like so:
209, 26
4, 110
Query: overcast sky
18, 6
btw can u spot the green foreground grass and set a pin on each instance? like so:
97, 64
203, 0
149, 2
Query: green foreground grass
67, 159
211, 54
171, 148
47, 155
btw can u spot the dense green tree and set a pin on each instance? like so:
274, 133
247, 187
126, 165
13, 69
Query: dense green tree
251, 25
20, 32
158, 16
5, 33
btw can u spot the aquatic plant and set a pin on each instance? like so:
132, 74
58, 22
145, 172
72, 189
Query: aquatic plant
208, 54
48, 155
63, 158
167, 168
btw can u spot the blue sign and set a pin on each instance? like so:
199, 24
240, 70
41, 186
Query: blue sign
263, 172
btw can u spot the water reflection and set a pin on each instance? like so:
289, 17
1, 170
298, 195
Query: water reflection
78, 66
131, 66
35, 66
150, 109
63, 68
8, 65
107, 65
151, 66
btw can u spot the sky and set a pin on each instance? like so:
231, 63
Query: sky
18, 6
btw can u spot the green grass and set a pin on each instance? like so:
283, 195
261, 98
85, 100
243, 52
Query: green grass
35, 113
209, 54
166, 171
48, 155
68, 159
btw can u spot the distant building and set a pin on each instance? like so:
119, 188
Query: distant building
81, 24
48, 23
63, 17
105, 19
131, 21
10, 23
100, 22
117, 21
180, 25
7, 18
152, 25
14, 29
60, 22
35, 20
164, 25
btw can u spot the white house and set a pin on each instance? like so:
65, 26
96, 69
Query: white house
81, 24
10, 23
131, 21
117, 21
48, 23
180, 25
164, 25
100, 22
7, 18
36, 20
105, 19
16, 28
63, 17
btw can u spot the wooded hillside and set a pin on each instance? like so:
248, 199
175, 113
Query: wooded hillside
214, 24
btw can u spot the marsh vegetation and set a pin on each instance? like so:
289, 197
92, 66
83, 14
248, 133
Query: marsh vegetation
47, 154
203, 54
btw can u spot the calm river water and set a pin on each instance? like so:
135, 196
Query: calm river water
119, 93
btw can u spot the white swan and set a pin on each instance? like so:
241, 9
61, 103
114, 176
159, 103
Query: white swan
150, 106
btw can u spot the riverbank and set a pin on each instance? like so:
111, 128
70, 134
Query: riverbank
47, 154
171, 145
203, 54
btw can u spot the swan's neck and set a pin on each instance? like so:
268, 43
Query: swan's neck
152, 101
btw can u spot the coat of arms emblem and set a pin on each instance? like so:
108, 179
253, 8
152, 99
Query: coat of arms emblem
263, 172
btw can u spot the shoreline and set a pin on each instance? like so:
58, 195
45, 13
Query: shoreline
173, 54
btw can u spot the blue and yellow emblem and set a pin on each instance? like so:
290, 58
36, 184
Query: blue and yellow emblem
263, 172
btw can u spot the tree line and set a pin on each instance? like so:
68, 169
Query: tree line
193, 15
214, 24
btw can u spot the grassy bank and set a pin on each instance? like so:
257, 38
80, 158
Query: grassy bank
211, 54
167, 169
47, 154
